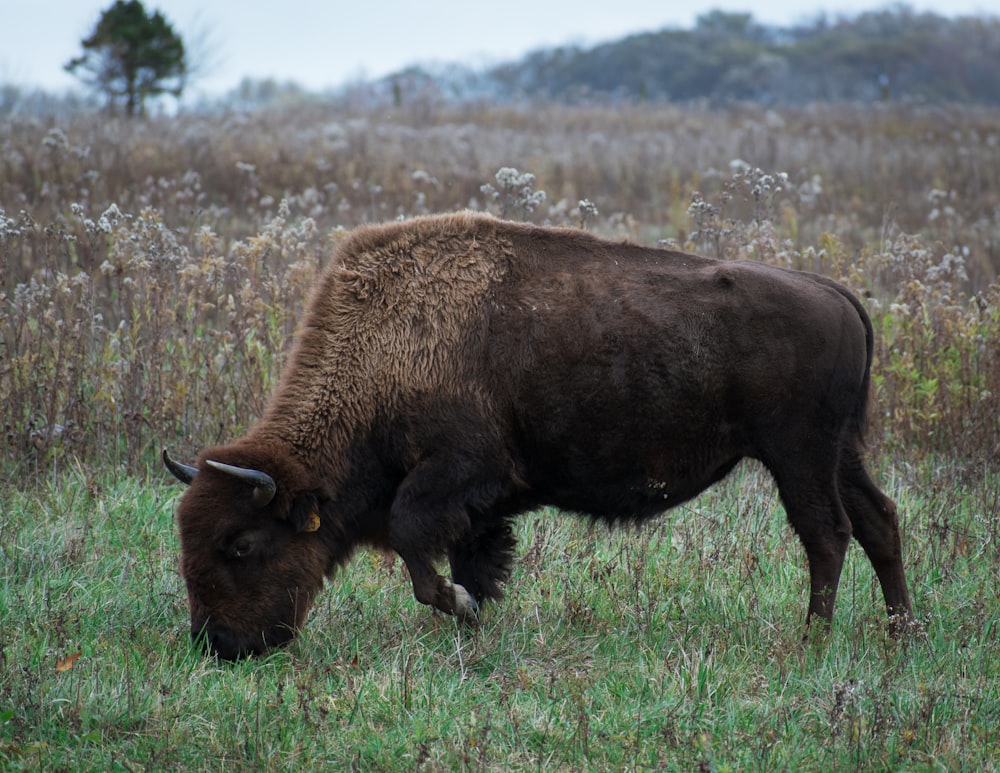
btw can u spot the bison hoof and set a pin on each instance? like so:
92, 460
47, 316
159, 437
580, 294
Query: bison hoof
466, 607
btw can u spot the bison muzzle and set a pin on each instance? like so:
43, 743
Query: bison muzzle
452, 372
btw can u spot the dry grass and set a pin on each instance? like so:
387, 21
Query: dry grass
151, 273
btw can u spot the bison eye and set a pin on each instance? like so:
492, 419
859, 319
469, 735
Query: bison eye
241, 548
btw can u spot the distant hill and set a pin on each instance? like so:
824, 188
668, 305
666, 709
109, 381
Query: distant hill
891, 54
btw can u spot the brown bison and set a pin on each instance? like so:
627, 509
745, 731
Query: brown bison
454, 371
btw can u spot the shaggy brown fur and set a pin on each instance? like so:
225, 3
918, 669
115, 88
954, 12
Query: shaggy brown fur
454, 371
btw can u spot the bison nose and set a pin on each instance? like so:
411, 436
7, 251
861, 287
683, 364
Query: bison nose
218, 642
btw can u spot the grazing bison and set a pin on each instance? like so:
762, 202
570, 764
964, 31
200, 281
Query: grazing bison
454, 371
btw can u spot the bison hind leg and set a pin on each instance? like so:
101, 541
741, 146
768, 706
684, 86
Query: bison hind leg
807, 485
876, 528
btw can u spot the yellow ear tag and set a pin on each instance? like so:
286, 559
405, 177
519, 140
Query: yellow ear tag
313, 524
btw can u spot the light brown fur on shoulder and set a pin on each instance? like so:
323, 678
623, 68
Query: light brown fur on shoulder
390, 317
413, 263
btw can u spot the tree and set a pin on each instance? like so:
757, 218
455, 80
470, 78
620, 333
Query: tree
132, 55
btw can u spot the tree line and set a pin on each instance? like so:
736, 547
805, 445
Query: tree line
890, 54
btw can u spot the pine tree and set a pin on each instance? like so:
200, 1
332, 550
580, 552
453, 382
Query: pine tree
132, 55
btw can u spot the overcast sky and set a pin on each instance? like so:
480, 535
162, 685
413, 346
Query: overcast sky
326, 43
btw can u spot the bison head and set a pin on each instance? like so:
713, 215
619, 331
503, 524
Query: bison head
251, 556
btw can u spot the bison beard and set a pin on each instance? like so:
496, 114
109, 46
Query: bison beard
452, 372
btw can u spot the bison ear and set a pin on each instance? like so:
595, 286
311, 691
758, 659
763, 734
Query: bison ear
304, 516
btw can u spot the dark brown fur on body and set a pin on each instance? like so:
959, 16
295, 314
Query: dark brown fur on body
454, 371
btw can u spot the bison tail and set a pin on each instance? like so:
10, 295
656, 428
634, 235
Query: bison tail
857, 422
859, 418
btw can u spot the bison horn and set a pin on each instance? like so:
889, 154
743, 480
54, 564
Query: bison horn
183, 472
263, 484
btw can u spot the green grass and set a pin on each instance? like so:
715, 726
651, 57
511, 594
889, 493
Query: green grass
677, 646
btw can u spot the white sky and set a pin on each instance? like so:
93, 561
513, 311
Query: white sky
326, 43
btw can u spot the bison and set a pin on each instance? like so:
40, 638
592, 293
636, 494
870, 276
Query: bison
454, 371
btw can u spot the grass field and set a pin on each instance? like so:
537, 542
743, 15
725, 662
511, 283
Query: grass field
678, 647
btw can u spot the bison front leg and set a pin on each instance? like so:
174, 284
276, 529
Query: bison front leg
434, 590
482, 562
422, 529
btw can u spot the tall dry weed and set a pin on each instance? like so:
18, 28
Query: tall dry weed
162, 342
151, 274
